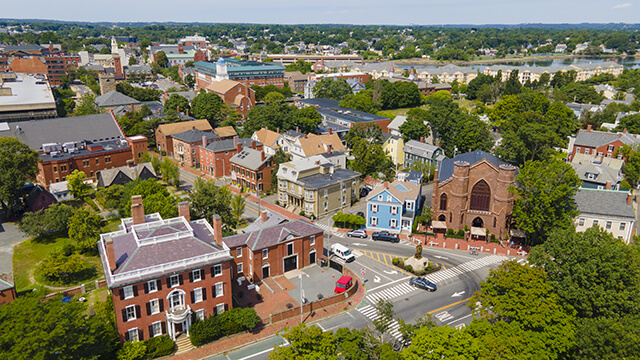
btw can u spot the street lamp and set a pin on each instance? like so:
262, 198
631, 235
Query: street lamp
301, 296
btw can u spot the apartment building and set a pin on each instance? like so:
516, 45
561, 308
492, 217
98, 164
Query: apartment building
251, 169
187, 145
165, 132
245, 71
215, 158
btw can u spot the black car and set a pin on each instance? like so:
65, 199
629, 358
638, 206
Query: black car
385, 236
364, 192
423, 283
361, 214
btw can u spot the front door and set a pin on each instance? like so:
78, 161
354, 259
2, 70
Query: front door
265, 272
290, 263
312, 257
178, 327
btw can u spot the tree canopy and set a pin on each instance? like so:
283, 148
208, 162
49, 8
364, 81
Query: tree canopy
18, 163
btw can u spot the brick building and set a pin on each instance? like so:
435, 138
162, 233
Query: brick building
244, 71
215, 158
237, 95
275, 250
472, 190
88, 143
186, 145
7, 288
333, 114
165, 273
37, 59
165, 132
599, 144
251, 169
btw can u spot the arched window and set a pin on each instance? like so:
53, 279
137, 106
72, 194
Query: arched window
443, 202
480, 196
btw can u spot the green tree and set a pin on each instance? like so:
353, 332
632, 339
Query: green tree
132, 60
237, 207
43, 222
332, 89
161, 59
306, 120
512, 86
370, 133
473, 134
274, 98
443, 342
18, 163
132, 351
61, 268
170, 172
208, 199
207, 106
189, 81
505, 110
84, 229
177, 103
532, 142
416, 126
384, 309
544, 194
87, 106
631, 168
76, 184
362, 101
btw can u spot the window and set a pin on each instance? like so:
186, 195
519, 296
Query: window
240, 268
374, 221
581, 222
130, 312
217, 270
326, 205
55, 169
239, 252
344, 186
152, 286
133, 334
586, 151
219, 309
610, 148
176, 301
200, 314
196, 275
344, 199
595, 223
156, 329
197, 295
265, 253
218, 290
394, 210
312, 240
380, 197
174, 280
290, 248
97, 161
128, 292
326, 193
409, 205
578, 149
374, 208
443, 202
480, 196
389, 198
622, 226
608, 225
393, 223
599, 154
154, 306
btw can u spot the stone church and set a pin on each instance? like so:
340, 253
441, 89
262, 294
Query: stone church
472, 189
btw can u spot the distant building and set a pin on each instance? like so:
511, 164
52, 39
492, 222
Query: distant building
113, 99
416, 151
610, 210
598, 144
296, 81
332, 113
288, 59
186, 145
247, 72
125, 174
37, 198
25, 97
197, 41
312, 144
251, 169
236, 94
165, 132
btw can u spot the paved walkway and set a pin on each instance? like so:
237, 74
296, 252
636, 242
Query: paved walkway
9, 236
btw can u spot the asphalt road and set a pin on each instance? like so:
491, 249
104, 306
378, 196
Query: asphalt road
9, 236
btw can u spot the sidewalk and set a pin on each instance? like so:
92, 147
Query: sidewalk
440, 241
237, 341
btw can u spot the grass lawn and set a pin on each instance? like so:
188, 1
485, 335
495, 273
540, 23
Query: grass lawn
29, 253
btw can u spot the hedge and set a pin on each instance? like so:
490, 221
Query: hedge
228, 323
159, 346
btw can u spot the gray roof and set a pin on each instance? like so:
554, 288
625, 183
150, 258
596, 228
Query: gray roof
108, 175
446, 167
606, 203
273, 219
222, 145
267, 237
249, 158
6, 281
331, 110
193, 135
189, 95
90, 128
421, 149
600, 138
601, 173
320, 181
114, 98
397, 122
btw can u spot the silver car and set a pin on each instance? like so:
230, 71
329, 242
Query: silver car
357, 233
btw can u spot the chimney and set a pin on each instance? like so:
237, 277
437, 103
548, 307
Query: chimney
625, 130
193, 127
438, 143
236, 140
137, 210
217, 229
111, 256
239, 147
589, 127
329, 148
263, 215
386, 184
180, 49
253, 144
262, 155
629, 198
183, 210
422, 139
607, 185
306, 136
330, 131
204, 140
317, 162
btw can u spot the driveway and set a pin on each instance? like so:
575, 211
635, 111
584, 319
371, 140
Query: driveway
9, 236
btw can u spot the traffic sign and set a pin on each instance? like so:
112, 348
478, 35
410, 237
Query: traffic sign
362, 272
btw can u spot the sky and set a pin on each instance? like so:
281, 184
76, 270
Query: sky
379, 12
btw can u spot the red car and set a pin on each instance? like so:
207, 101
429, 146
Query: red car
343, 284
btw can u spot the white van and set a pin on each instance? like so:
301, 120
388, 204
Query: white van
342, 252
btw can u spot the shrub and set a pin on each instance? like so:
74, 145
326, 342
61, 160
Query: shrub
420, 272
395, 261
449, 231
159, 346
408, 268
460, 233
429, 267
302, 213
401, 264
68, 249
228, 323
493, 237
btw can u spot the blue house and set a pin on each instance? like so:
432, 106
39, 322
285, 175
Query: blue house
394, 206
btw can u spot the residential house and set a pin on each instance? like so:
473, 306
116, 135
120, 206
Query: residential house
271, 140
36, 197
235, 94
611, 210
124, 174
165, 132
599, 144
316, 186
313, 144
114, 99
251, 169
471, 191
393, 207
216, 157
394, 146
187, 144
165, 273
7, 289
595, 175
60, 191
275, 250
416, 151
332, 113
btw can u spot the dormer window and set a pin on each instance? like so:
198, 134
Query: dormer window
591, 176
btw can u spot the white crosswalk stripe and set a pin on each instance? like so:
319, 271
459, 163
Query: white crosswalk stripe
327, 228
390, 293
371, 313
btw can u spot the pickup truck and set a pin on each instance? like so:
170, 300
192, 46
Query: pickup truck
385, 236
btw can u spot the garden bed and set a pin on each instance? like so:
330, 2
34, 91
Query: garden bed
430, 269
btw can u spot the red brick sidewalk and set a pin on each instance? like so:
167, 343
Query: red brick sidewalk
443, 242
233, 342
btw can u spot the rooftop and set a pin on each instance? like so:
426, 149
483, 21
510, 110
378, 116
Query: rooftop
114, 98
28, 93
250, 158
605, 203
330, 108
270, 236
320, 181
401, 190
194, 135
472, 157
175, 128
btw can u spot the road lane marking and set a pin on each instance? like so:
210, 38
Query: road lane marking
393, 282
448, 306
462, 318
359, 263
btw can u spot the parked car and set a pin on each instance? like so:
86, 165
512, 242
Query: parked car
385, 236
342, 252
344, 283
423, 283
357, 233
364, 192
361, 214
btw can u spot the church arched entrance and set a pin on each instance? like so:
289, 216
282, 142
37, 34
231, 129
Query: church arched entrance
442, 218
477, 222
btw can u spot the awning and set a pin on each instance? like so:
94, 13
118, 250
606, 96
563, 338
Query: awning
517, 233
477, 231
439, 225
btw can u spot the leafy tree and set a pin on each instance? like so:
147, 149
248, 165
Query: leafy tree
50, 221
532, 142
384, 309
132, 60
140, 94
189, 81
84, 229
473, 134
362, 101
581, 93
477, 83
61, 268
18, 163
177, 103
443, 342
86, 106
444, 116
207, 106
170, 172
512, 86
161, 59
144, 188
544, 198
237, 207
561, 119
631, 169
425, 168
208, 199
132, 350
274, 98
370, 132
300, 65
631, 123
76, 184
306, 120
505, 110
347, 220
332, 89
608, 338
416, 126
36, 329
110, 196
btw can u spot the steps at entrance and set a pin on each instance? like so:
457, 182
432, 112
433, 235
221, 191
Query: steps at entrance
183, 344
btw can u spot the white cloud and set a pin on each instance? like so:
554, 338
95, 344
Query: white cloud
622, 6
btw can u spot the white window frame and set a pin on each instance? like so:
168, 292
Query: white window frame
219, 309
265, 254
239, 252
623, 225
133, 333
181, 305
293, 249
177, 279
152, 286
220, 293
581, 222
217, 270
197, 295
326, 205
326, 193
312, 240
374, 221
240, 268
374, 208
393, 223
394, 210
193, 275
610, 148
128, 292
154, 306
388, 198
594, 223
158, 331
380, 197
200, 314
608, 225
129, 317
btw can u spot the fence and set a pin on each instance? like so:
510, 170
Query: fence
81, 289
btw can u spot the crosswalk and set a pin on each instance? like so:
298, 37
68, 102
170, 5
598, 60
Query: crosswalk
437, 277
328, 228
371, 313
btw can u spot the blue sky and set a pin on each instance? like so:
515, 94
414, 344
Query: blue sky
401, 12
